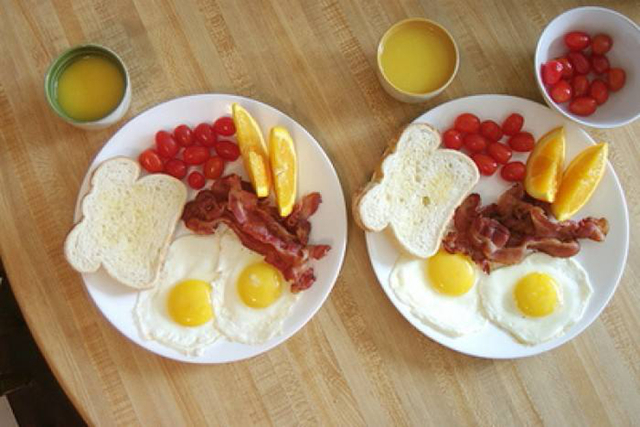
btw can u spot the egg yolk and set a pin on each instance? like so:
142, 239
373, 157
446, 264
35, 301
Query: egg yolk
450, 274
260, 284
536, 294
189, 303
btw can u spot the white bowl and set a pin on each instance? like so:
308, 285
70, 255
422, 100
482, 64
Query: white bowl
623, 106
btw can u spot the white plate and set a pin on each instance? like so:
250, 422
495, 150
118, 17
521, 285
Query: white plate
603, 261
316, 173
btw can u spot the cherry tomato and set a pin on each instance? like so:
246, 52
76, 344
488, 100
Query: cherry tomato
599, 91
522, 142
176, 168
486, 165
601, 44
561, 91
616, 78
213, 167
195, 155
196, 180
453, 139
224, 126
467, 123
599, 63
512, 124
577, 40
551, 72
491, 130
151, 161
567, 68
501, 153
165, 144
583, 106
204, 135
227, 150
474, 142
580, 62
183, 135
580, 85
513, 172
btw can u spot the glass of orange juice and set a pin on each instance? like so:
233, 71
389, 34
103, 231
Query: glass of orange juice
417, 59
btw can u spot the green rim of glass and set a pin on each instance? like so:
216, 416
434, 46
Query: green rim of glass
67, 58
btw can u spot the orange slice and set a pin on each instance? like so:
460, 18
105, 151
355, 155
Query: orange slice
544, 166
580, 181
253, 150
282, 155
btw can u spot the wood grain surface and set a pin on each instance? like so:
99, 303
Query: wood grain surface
358, 361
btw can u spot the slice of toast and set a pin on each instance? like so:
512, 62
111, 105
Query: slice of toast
415, 190
127, 223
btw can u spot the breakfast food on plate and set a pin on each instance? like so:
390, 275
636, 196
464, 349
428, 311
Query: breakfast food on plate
537, 299
282, 157
253, 149
178, 311
544, 166
441, 291
251, 298
504, 232
415, 190
126, 224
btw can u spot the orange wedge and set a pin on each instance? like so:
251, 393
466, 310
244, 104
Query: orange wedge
544, 166
580, 181
282, 156
253, 150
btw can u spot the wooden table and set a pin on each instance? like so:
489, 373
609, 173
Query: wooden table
358, 361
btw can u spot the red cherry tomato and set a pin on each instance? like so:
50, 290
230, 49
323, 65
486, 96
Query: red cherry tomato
499, 152
561, 91
599, 91
204, 135
196, 180
474, 142
227, 150
577, 40
213, 167
183, 135
513, 172
567, 68
467, 123
601, 44
176, 168
580, 62
453, 139
583, 106
512, 124
486, 165
616, 78
491, 130
522, 142
599, 63
151, 161
224, 126
195, 155
551, 72
165, 144
580, 85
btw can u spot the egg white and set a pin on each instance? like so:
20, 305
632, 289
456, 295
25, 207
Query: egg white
452, 315
574, 292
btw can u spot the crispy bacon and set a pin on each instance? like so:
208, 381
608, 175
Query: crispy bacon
282, 241
505, 231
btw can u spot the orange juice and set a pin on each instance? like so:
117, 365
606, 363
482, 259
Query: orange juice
418, 57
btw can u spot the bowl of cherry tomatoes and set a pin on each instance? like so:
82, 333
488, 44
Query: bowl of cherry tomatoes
587, 66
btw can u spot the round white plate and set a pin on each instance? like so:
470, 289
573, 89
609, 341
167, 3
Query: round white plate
603, 261
315, 173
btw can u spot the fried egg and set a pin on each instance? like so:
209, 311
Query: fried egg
441, 291
177, 312
251, 299
538, 299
